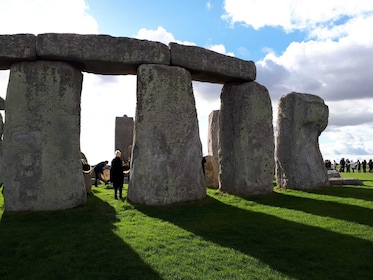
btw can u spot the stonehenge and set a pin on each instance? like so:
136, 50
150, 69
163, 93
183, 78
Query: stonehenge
43, 99
299, 163
124, 136
246, 140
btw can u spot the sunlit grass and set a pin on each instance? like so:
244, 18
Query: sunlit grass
288, 234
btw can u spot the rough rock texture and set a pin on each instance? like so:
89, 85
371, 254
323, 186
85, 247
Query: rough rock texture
212, 168
212, 172
2, 103
102, 54
246, 151
209, 66
299, 163
167, 152
124, 135
345, 181
213, 135
333, 174
41, 145
14, 48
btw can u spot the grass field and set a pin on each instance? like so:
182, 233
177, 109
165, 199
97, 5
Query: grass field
324, 234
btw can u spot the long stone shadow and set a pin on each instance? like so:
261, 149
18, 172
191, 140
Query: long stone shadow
323, 208
296, 250
363, 193
72, 244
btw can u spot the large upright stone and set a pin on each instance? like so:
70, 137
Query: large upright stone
166, 161
124, 135
209, 66
299, 163
15, 48
246, 152
41, 145
2, 103
212, 163
102, 54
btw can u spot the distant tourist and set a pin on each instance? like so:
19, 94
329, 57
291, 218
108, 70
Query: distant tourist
364, 164
99, 169
116, 174
358, 166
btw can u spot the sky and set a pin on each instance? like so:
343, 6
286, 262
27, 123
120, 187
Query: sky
320, 47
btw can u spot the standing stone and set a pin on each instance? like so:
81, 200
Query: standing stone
167, 152
299, 163
1, 148
211, 172
124, 135
212, 161
246, 152
42, 138
2, 103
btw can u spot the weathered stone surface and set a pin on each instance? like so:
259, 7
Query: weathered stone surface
1, 126
212, 160
2, 103
102, 54
299, 163
212, 172
333, 174
246, 151
41, 144
345, 181
124, 135
167, 151
210, 66
213, 135
14, 48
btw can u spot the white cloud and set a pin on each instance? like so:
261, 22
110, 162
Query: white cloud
294, 14
44, 16
160, 35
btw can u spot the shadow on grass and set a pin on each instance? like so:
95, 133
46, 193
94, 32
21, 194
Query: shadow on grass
357, 192
71, 244
322, 208
296, 250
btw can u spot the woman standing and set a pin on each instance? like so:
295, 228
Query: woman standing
116, 174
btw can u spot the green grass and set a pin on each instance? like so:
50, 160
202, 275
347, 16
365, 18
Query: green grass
289, 234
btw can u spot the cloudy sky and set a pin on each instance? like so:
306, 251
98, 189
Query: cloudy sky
310, 46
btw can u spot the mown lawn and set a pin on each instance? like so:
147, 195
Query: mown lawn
324, 234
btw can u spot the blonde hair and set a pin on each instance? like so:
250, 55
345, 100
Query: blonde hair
118, 153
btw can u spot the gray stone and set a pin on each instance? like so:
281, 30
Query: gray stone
246, 151
345, 181
211, 172
1, 126
333, 174
213, 135
212, 160
299, 163
167, 151
41, 144
14, 48
209, 66
102, 54
124, 135
2, 103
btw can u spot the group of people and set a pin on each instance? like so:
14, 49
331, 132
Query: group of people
346, 165
118, 169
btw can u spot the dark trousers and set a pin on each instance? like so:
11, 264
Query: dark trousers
118, 186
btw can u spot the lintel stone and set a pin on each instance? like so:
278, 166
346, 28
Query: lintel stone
15, 48
209, 66
102, 54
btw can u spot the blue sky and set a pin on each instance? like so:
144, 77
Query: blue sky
322, 47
